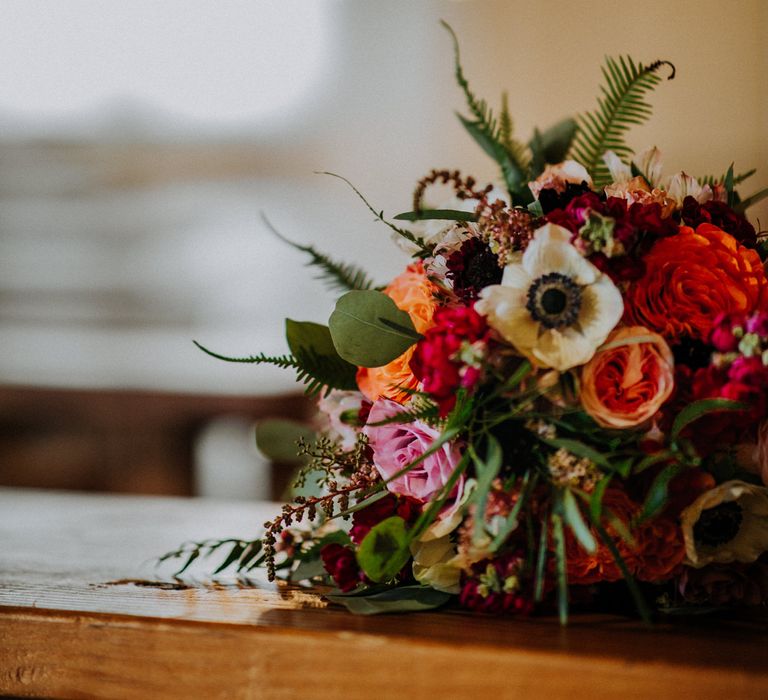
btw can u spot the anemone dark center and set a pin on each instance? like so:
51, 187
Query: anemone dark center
718, 525
554, 300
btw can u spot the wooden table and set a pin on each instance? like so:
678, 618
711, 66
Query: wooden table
74, 623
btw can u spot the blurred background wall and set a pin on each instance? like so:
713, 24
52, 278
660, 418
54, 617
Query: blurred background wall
140, 141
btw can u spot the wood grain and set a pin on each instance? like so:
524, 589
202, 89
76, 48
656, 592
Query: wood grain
73, 623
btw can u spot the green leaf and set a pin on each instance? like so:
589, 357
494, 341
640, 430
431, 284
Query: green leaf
596, 499
551, 146
276, 439
307, 570
697, 409
541, 560
575, 521
486, 469
437, 215
658, 493
745, 204
237, 549
513, 174
493, 136
535, 208
394, 600
510, 523
384, 550
314, 350
360, 333
560, 565
634, 589
728, 182
249, 559
621, 106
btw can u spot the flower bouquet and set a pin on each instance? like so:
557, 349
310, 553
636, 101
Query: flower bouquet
561, 399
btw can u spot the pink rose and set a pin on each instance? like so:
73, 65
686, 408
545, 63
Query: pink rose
396, 445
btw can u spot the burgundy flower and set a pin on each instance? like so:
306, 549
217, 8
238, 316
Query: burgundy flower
436, 361
341, 564
551, 199
497, 586
636, 227
366, 518
722, 216
471, 268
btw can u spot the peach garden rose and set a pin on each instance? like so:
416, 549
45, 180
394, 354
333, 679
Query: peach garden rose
626, 383
414, 294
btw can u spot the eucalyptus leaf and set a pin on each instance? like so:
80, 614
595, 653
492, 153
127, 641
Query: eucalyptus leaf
401, 599
362, 331
384, 550
276, 439
307, 570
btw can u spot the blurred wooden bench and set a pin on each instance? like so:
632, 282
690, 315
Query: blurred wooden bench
77, 621
117, 440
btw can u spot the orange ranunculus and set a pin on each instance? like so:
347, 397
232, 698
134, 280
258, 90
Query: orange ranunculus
625, 384
657, 551
690, 278
414, 294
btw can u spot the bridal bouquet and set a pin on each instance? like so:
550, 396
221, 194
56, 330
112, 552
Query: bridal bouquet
562, 398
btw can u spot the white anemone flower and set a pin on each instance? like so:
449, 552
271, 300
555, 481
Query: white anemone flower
725, 524
554, 306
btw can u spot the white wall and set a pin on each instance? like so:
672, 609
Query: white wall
129, 228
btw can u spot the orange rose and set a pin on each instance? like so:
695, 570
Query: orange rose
624, 385
690, 278
414, 294
657, 551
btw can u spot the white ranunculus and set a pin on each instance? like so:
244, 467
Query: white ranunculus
725, 524
554, 306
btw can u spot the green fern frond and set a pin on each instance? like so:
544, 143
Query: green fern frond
621, 106
284, 361
506, 129
337, 275
318, 373
492, 135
